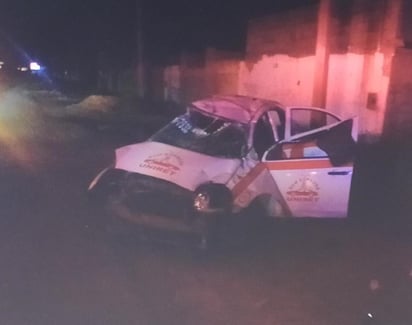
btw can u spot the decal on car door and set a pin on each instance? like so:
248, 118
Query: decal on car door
314, 172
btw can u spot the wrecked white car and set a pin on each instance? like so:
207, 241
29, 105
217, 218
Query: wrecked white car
228, 153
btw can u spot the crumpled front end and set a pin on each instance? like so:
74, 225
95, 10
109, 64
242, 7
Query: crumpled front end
150, 202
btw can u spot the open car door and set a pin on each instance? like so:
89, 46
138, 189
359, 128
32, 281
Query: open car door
313, 170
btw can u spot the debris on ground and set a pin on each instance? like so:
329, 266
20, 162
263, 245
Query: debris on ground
95, 105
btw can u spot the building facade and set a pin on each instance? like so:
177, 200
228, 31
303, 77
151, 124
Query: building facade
351, 57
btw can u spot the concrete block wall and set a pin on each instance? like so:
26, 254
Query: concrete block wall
398, 122
357, 86
282, 63
193, 84
362, 38
291, 32
280, 57
223, 76
280, 77
406, 26
196, 77
171, 83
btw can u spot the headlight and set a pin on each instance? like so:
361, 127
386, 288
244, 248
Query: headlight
201, 201
212, 198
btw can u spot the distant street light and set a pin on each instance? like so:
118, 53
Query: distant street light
34, 66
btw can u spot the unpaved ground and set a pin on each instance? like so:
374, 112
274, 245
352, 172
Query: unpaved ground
57, 267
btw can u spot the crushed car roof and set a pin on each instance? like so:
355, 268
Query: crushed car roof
236, 108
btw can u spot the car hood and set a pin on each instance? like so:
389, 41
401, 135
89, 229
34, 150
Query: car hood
185, 168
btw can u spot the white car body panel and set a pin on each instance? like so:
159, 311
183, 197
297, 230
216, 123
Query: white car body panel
309, 187
235, 108
185, 168
313, 188
189, 169
251, 180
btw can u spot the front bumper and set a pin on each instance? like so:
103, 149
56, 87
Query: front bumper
151, 203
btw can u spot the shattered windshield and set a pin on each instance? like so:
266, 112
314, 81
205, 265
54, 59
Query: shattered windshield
204, 134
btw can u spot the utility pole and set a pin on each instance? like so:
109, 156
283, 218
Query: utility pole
320, 87
140, 67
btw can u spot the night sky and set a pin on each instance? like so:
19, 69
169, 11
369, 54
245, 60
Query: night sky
76, 31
